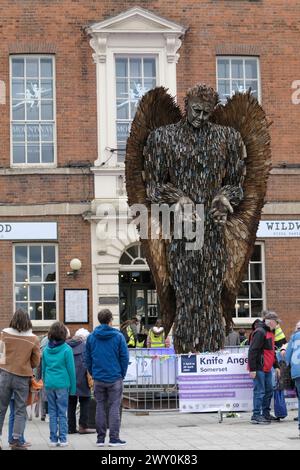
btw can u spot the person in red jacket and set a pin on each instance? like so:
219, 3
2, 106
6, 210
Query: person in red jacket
261, 360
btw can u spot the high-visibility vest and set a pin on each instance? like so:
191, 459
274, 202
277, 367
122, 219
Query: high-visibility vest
131, 340
279, 335
140, 344
157, 341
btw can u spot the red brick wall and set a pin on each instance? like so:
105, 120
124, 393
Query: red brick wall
283, 280
73, 242
269, 27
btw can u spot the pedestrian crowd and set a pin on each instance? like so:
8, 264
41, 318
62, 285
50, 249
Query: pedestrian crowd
70, 371
87, 371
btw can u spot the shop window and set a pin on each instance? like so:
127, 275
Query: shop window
237, 74
32, 110
135, 75
35, 280
251, 299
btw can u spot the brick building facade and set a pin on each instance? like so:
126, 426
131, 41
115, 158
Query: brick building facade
58, 159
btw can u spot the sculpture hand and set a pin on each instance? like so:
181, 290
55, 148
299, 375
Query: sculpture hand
220, 209
182, 202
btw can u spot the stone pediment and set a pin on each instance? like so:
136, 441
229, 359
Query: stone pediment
136, 20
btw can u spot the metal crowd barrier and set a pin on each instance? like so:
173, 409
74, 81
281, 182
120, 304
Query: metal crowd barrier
151, 382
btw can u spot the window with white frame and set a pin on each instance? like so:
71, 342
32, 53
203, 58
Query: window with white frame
35, 280
135, 75
251, 298
32, 110
237, 74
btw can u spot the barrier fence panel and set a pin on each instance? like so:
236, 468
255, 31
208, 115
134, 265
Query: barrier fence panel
160, 380
151, 381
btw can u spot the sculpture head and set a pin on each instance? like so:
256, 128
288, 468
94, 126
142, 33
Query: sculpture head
200, 102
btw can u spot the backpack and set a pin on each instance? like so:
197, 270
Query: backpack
280, 408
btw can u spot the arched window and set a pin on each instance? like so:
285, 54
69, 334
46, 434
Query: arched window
134, 255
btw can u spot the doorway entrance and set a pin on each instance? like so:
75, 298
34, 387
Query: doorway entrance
138, 297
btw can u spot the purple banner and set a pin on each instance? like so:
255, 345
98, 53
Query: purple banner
207, 378
220, 386
192, 396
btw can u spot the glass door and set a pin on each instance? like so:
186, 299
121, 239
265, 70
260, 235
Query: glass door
138, 298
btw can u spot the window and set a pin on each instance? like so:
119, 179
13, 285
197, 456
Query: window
133, 255
251, 298
237, 74
35, 280
32, 110
134, 77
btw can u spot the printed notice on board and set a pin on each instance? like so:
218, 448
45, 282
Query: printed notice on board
76, 306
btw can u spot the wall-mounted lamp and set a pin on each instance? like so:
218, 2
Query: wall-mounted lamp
75, 265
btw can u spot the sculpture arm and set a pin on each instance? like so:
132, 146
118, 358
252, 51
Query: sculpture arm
231, 193
235, 172
156, 172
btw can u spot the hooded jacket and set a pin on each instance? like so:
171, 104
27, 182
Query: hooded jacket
262, 356
78, 347
292, 356
59, 368
107, 355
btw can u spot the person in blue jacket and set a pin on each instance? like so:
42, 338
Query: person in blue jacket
292, 358
107, 361
60, 381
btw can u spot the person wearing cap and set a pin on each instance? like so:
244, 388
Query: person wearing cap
292, 358
156, 337
261, 360
280, 338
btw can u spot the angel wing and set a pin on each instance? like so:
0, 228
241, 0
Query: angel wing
244, 113
157, 108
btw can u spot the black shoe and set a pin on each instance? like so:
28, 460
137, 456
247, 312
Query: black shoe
296, 419
271, 418
260, 420
72, 431
15, 444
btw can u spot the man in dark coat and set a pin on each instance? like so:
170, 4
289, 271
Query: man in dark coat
83, 392
262, 359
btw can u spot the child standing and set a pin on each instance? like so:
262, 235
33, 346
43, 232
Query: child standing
60, 380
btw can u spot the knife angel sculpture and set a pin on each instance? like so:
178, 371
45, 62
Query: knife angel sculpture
216, 156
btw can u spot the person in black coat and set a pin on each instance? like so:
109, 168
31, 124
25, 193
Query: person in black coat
83, 392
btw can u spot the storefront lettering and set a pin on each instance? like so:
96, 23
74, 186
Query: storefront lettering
5, 228
283, 226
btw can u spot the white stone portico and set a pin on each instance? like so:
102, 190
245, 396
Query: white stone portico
133, 33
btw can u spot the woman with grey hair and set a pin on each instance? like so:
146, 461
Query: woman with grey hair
83, 392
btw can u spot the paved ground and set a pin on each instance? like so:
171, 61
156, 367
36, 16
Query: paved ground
169, 431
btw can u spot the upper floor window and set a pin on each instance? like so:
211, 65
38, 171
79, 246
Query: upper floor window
237, 74
135, 75
251, 299
32, 110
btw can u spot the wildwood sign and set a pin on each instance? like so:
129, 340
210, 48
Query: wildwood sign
28, 231
279, 229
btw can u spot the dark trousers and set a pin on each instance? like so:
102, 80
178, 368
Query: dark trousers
18, 386
108, 397
84, 412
